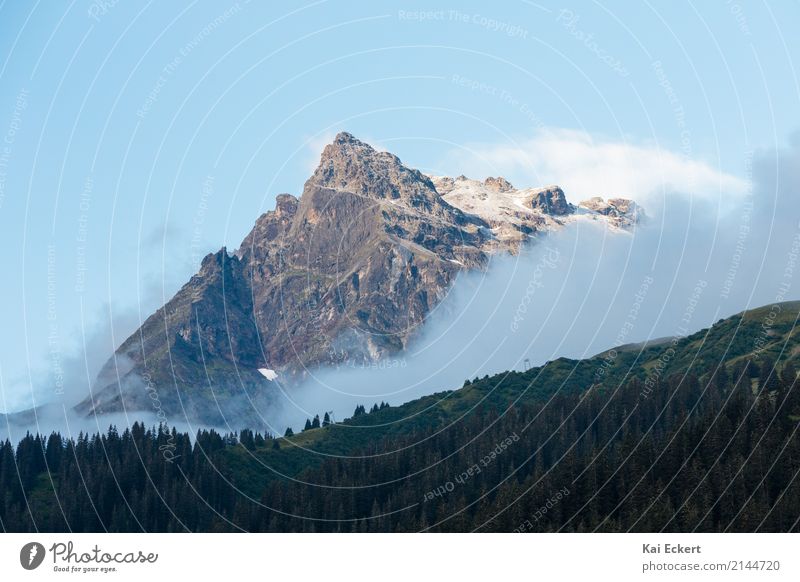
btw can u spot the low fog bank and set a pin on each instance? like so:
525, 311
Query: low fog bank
61, 418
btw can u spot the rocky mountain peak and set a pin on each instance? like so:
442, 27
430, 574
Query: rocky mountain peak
213, 262
346, 137
551, 200
346, 272
347, 145
351, 165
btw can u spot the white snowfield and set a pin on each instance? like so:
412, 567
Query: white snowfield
268, 374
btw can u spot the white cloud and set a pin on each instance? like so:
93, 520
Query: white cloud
585, 166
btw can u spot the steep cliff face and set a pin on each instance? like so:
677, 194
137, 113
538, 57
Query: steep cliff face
369, 248
348, 271
195, 357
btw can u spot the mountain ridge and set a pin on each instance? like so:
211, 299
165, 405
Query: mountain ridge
347, 271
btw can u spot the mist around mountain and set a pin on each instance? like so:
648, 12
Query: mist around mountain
344, 275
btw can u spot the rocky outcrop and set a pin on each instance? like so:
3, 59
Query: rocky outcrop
551, 200
498, 184
195, 357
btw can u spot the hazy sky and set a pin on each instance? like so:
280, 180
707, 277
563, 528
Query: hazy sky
138, 136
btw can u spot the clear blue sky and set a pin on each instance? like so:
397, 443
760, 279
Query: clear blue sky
138, 136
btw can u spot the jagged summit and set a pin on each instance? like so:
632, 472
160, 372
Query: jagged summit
550, 200
351, 165
498, 184
514, 214
620, 212
346, 164
347, 137
345, 272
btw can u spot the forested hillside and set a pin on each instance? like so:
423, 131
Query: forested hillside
692, 434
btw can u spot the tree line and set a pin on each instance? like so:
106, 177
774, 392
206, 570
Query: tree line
719, 452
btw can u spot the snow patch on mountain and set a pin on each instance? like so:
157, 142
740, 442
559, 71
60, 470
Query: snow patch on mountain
268, 374
516, 214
